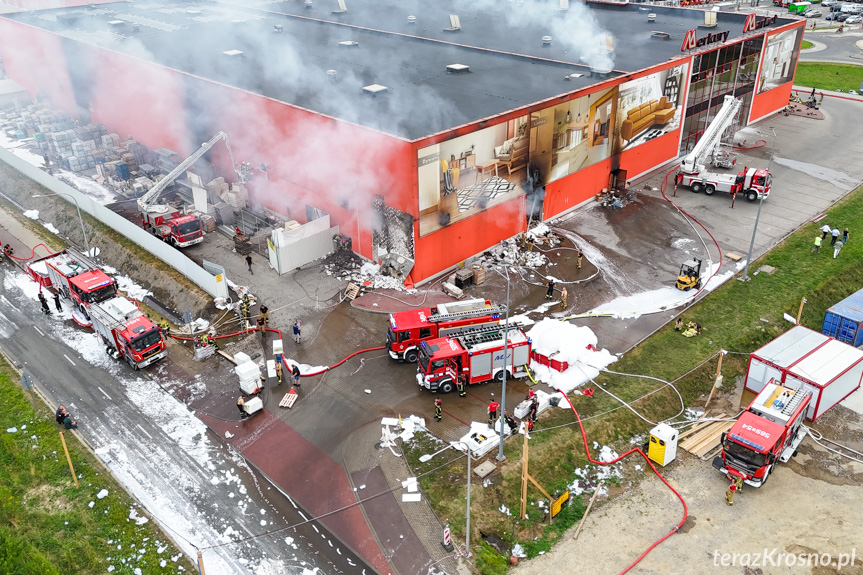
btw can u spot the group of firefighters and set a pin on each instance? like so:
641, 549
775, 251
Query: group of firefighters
494, 407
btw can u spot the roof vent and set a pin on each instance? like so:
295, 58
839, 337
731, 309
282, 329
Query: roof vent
278, 28
308, 3
374, 89
341, 8
233, 53
192, 11
660, 35
709, 20
600, 72
546, 40
651, 17
331, 74
457, 68
572, 76
349, 44
412, 19
116, 23
454, 23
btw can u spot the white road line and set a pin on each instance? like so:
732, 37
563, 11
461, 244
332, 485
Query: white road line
303, 516
330, 542
292, 502
70, 361
103, 392
144, 431
244, 527
339, 551
38, 331
315, 527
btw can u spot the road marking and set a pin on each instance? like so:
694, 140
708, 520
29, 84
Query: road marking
103, 392
315, 527
72, 362
330, 542
292, 502
339, 551
303, 516
38, 331
144, 431
244, 527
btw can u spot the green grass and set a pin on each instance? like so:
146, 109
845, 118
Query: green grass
806, 44
732, 320
47, 525
826, 76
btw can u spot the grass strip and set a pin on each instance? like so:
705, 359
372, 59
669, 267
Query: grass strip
828, 76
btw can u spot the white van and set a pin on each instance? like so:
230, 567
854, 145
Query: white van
852, 9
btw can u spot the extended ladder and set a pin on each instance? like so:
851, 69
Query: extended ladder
492, 310
799, 396
484, 335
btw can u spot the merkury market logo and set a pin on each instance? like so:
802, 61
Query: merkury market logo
691, 40
753, 23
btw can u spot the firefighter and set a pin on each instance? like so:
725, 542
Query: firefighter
265, 315
492, 411
510, 422
438, 409
563, 295
45, 309
534, 407
57, 302
462, 392
279, 373
205, 340
530, 394
165, 327
736, 485
262, 327
579, 256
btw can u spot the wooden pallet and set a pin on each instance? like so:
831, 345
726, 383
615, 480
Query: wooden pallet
289, 400
707, 438
352, 291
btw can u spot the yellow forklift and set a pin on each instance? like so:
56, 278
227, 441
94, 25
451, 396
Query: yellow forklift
690, 275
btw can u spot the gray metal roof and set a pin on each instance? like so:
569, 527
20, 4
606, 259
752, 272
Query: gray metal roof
500, 41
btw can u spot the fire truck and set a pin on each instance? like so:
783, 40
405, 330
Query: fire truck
476, 357
74, 276
408, 328
127, 333
164, 220
770, 430
753, 183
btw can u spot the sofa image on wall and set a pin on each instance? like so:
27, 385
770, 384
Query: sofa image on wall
638, 119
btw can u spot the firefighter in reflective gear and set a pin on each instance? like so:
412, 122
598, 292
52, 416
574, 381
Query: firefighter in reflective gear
265, 315
736, 485
262, 326
165, 327
205, 340
438, 409
462, 392
279, 372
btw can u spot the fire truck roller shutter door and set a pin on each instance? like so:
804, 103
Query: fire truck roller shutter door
480, 366
521, 355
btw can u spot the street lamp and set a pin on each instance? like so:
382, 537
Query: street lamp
500, 455
746, 277
467, 505
77, 207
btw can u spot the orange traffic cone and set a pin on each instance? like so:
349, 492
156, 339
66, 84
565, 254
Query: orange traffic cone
294, 391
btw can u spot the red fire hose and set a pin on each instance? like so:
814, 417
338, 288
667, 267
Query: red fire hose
650, 463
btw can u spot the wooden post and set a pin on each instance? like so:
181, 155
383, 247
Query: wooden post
586, 511
800, 311
201, 564
69, 459
718, 378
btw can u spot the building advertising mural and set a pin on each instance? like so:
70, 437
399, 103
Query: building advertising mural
650, 107
463, 176
780, 58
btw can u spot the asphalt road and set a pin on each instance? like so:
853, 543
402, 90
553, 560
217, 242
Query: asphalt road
200, 491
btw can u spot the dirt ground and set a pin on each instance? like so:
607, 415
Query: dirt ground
808, 506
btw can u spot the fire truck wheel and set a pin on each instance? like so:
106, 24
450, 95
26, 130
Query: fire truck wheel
709, 189
499, 376
132, 364
751, 195
411, 356
697, 187
446, 386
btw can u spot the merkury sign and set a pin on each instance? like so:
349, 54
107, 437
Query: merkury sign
753, 23
691, 41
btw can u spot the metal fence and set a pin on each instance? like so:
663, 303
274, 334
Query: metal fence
171, 256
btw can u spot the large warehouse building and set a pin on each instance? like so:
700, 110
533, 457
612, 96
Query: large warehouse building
430, 129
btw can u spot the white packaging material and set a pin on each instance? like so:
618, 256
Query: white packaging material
247, 370
241, 357
253, 405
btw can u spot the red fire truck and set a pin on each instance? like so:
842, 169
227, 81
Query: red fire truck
477, 357
74, 276
127, 333
770, 430
408, 328
179, 231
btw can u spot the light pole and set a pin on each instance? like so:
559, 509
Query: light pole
77, 207
467, 505
746, 277
500, 455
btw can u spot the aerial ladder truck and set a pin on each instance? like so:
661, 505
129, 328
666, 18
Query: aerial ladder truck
165, 221
753, 183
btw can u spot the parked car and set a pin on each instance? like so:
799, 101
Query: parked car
812, 13
854, 19
841, 17
833, 16
829, 3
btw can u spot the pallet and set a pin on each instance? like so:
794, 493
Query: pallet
289, 400
699, 427
352, 291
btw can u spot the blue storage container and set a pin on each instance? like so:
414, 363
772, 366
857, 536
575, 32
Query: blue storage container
844, 320
123, 171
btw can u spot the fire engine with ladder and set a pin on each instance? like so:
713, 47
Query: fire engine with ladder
754, 183
127, 333
164, 220
408, 328
73, 276
769, 431
473, 356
